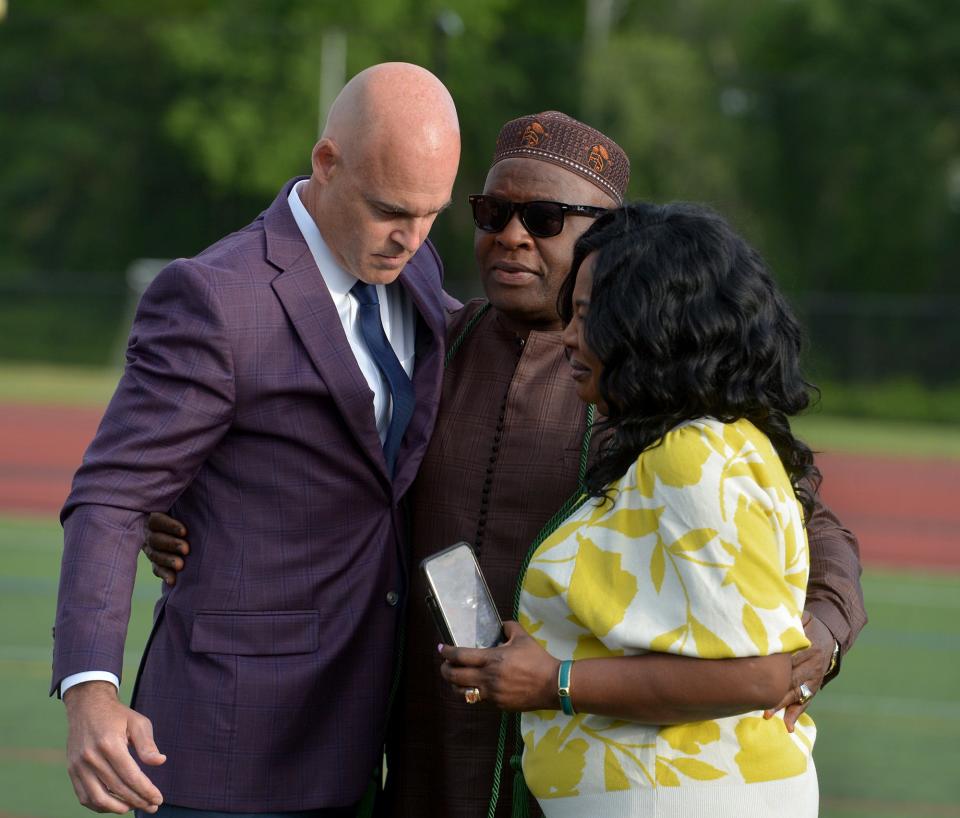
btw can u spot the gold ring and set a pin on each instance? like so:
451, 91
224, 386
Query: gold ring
805, 693
472, 695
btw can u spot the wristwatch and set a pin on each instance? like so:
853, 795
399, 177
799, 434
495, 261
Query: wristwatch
834, 658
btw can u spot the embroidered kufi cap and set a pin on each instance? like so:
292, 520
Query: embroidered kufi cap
554, 137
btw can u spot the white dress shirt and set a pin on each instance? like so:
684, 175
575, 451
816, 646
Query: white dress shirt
396, 313
399, 324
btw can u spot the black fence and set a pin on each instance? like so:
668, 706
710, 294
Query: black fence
853, 338
863, 338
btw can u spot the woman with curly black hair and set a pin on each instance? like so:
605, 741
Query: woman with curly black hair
689, 541
688, 323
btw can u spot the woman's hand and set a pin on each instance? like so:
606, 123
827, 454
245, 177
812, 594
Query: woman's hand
517, 675
651, 688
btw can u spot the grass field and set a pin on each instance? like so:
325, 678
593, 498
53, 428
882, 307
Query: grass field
890, 438
47, 383
889, 726
33, 780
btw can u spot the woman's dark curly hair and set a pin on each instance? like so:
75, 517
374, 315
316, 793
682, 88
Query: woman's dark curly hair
688, 323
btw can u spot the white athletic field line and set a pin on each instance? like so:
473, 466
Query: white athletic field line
877, 809
918, 595
828, 702
911, 594
863, 704
29, 664
34, 653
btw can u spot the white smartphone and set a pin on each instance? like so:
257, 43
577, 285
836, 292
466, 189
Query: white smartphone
459, 599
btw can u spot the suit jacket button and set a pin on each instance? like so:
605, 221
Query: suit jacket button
392, 598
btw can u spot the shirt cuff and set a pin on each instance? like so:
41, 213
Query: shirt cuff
88, 676
838, 627
831, 616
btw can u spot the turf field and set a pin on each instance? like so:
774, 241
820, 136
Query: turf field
33, 779
889, 726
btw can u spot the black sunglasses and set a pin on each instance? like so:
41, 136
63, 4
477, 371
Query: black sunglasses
541, 219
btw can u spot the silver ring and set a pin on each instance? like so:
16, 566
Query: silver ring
805, 693
472, 695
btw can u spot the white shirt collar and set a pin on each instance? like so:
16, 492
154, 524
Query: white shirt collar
338, 280
396, 313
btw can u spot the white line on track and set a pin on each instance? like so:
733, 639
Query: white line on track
861, 704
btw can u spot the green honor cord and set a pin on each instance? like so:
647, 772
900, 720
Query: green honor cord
577, 499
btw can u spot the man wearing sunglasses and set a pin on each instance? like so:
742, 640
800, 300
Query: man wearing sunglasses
506, 452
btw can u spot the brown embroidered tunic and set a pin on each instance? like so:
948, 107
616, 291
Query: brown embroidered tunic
504, 457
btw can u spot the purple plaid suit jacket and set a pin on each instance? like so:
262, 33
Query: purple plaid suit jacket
243, 410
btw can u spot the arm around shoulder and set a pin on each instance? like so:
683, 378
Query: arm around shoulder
834, 593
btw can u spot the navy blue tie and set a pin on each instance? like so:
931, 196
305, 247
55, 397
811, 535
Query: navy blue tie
401, 388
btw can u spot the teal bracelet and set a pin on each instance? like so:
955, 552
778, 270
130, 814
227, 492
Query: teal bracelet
563, 687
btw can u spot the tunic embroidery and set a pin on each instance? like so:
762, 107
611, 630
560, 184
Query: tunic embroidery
535, 472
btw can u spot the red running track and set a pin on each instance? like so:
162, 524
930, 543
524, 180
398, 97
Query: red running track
904, 511
40, 449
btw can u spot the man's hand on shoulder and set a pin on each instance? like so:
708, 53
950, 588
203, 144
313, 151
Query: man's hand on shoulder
165, 547
103, 773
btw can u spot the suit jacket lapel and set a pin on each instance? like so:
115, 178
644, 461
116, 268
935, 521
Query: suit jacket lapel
423, 287
311, 310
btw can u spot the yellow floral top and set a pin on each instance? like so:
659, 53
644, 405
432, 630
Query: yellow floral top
702, 552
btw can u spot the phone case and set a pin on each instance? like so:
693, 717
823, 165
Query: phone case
435, 606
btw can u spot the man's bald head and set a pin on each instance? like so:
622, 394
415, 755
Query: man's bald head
394, 106
384, 168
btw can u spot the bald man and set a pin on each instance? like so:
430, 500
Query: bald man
287, 378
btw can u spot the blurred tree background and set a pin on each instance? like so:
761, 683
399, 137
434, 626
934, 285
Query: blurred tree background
828, 131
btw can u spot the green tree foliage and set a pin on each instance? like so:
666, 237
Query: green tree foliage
859, 168
153, 130
91, 177
828, 130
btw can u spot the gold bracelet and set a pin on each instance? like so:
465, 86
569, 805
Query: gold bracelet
835, 657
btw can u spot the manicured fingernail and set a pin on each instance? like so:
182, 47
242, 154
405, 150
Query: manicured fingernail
440, 648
